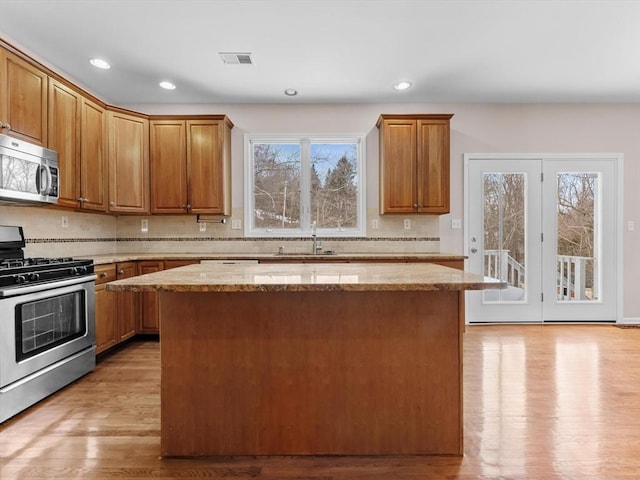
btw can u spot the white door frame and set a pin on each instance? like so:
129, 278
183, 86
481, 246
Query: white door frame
618, 159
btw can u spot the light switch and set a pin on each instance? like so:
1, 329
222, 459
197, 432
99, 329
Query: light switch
64, 222
456, 224
631, 225
236, 224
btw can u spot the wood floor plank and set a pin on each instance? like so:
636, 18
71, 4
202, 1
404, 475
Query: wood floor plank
541, 402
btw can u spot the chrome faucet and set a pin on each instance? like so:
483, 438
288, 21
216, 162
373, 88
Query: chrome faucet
317, 246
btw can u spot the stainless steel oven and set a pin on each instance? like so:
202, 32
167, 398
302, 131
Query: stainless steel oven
47, 327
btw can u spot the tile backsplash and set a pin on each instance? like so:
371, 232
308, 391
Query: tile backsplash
55, 232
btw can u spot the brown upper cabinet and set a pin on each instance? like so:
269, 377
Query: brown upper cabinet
128, 162
64, 137
23, 99
78, 132
191, 164
414, 163
93, 157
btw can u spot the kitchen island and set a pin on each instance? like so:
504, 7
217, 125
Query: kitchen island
303, 359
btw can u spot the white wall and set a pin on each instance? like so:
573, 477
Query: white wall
475, 128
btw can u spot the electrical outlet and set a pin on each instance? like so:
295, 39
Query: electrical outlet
236, 224
456, 224
407, 224
64, 222
375, 224
144, 225
203, 227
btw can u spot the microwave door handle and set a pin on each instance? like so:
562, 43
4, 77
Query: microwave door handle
43, 190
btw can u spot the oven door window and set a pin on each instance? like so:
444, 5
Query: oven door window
43, 324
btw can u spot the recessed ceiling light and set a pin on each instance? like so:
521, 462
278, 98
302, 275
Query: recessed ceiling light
291, 92
99, 63
402, 85
167, 85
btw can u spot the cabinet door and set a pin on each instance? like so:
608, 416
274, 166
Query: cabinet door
23, 99
149, 306
433, 166
64, 138
93, 157
128, 303
398, 166
106, 309
128, 163
168, 164
209, 168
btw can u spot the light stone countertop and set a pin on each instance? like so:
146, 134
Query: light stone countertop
307, 277
337, 257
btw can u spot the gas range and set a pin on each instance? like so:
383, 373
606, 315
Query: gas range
30, 270
47, 323
15, 270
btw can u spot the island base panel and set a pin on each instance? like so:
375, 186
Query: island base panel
301, 373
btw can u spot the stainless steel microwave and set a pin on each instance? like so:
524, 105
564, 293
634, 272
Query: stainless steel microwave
28, 172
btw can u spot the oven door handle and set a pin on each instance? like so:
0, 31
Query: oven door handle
12, 292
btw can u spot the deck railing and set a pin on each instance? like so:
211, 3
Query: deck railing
499, 264
572, 274
573, 281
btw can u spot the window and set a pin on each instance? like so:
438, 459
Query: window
296, 183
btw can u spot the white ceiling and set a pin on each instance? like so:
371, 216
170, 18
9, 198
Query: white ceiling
338, 50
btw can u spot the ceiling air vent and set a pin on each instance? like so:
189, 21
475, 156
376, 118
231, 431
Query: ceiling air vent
236, 58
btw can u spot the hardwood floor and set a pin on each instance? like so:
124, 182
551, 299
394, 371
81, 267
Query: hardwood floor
541, 402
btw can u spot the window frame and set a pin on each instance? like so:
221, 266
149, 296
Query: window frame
305, 140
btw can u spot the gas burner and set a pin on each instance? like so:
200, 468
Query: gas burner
15, 270
11, 263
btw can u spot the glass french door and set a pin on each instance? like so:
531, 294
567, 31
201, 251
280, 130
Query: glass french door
547, 227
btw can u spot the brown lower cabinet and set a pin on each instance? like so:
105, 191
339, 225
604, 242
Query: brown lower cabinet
120, 316
128, 302
116, 314
149, 313
106, 309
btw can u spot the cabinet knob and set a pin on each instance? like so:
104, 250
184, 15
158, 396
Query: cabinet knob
121, 272
112, 203
103, 274
415, 205
5, 125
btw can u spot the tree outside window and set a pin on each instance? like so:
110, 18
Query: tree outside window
296, 183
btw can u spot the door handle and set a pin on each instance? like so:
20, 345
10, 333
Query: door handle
474, 250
